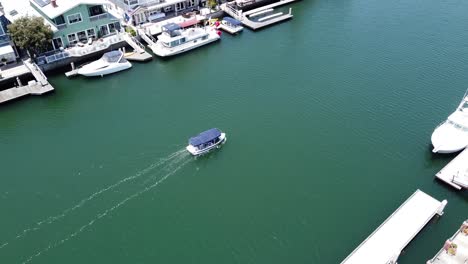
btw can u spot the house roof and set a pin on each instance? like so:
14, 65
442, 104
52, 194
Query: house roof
63, 6
14, 9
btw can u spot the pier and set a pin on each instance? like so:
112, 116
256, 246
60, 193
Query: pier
150, 40
38, 87
385, 244
139, 52
244, 17
455, 249
455, 173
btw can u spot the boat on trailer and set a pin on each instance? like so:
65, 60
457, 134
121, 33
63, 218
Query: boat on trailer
452, 135
231, 25
206, 141
110, 62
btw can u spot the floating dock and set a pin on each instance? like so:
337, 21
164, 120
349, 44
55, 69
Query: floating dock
150, 40
38, 87
455, 249
455, 173
139, 52
385, 244
244, 17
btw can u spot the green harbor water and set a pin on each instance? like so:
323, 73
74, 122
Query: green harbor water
328, 118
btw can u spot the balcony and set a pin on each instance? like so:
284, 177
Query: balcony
62, 26
99, 17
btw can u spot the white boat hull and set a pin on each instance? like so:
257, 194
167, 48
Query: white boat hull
112, 68
196, 152
162, 51
448, 139
231, 30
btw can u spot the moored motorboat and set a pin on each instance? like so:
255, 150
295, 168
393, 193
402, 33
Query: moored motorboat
174, 40
452, 135
230, 25
206, 141
110, 62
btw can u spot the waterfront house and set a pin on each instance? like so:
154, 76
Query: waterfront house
143, 11
7, 49
77, 21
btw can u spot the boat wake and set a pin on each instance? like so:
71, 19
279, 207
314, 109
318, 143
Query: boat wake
167, 167
107, 211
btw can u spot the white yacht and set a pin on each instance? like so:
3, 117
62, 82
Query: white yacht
206, 141
231, 25
452, 135
110, 62
174, 40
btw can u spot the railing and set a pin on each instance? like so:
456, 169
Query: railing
98, 17
62, 26
76, 51
56, 57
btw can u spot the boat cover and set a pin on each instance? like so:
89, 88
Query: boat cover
205, 137
189, 23
170, 27
232, 21
112, 56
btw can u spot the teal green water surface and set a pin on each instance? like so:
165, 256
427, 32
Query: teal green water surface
328, 117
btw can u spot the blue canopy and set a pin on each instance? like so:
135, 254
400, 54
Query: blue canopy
205, 137
232, 21
171, 27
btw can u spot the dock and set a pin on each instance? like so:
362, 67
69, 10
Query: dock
455, 249
38, 87
455, 173
245, 17
139, 52
385, 244
150, 40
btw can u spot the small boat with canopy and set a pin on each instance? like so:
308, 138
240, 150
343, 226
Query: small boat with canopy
231, 25
206, 141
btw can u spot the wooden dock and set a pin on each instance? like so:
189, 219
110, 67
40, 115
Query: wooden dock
385, 244
38, 87
244, 17
455, 173
455, 249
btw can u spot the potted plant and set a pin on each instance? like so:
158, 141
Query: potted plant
4, 61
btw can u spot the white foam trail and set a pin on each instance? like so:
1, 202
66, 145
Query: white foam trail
52, 219
106, 212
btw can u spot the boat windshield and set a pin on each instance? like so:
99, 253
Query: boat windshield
458, 126
112, 57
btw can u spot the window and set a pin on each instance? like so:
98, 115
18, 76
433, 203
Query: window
91, 33
96, 10
57, 43
82, 36
60, 20
75, 18
113, 27
131, 2
72, 38
104, 30
2, 32
180, 6
191, 3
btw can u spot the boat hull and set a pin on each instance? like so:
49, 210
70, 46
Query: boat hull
89, 72
162, 51
231, 30
196, 152
448, 139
